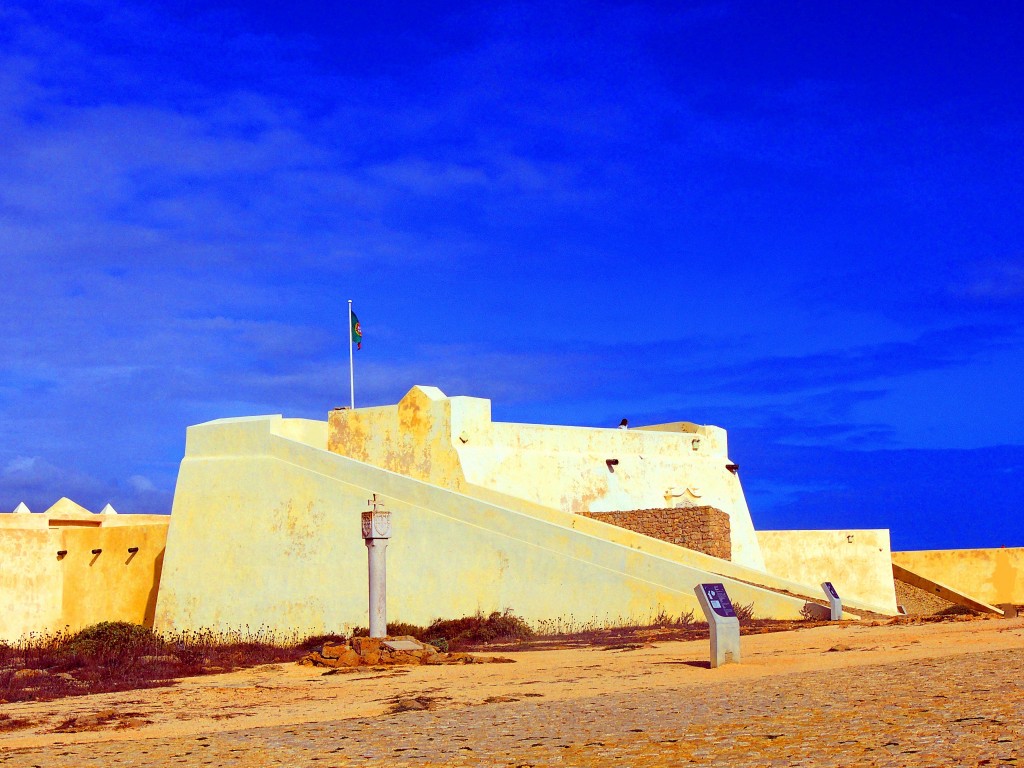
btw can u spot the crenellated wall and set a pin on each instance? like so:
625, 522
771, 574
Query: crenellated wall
67, 568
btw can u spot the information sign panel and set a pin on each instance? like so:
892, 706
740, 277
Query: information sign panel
723, 624
835, 604
719, 600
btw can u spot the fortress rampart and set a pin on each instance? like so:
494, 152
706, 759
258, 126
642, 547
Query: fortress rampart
596, 526
452, 442
67, 568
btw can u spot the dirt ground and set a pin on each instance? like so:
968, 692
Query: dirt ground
850, 693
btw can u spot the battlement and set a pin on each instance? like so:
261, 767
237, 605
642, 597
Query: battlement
70, 567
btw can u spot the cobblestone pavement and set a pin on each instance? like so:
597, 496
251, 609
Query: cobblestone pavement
962, 710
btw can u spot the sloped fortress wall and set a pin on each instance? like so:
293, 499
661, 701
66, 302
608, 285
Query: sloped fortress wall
994, 576
858, 562
265, 531
452, 442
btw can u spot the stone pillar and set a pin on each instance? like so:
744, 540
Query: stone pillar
376, 526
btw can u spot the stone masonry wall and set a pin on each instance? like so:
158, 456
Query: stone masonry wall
704, 529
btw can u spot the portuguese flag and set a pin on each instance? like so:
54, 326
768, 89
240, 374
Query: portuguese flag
357, 332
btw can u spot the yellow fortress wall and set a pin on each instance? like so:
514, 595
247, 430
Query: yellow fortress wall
857, 562
452, 442
46, 591
30, 582
993, 576
265, 532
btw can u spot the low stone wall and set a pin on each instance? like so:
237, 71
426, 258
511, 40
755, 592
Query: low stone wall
704, 529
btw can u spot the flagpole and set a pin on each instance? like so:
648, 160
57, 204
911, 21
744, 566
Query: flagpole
351, 362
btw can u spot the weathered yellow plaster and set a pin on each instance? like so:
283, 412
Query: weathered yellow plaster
452, 443
857, 562
44, 591
234, 559
114, 585
30, 580
994, 576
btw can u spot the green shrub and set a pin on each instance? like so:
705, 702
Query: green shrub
496, 627
402, 628
111, 639
499, 626
317, 641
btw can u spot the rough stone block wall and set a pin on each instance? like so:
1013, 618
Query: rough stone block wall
704, 529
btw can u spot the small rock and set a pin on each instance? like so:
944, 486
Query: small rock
332, 650
366, 646
417, 703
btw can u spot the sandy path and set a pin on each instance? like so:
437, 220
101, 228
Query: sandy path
291, 715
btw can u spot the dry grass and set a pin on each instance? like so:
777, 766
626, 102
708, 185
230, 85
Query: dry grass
467, 632
116, 656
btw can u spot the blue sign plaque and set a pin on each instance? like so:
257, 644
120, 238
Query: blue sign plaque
719, 600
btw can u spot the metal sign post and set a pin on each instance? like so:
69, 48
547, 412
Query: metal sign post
376, 532
834, 603
722, 622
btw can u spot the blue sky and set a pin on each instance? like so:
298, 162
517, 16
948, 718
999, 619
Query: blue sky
804, 224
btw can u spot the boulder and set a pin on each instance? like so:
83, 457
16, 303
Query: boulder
373, 652
366, 645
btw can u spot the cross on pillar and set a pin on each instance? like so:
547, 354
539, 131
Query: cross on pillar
376, 525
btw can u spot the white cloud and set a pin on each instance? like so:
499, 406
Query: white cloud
995, 281
141, 483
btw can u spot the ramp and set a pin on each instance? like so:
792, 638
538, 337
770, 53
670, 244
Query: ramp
265, 532
947, 593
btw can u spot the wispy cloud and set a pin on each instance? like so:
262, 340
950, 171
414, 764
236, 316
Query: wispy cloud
575, 214
996, 282
918, 494
38, 483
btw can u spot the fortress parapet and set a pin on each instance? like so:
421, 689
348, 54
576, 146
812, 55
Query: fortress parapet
453, 443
